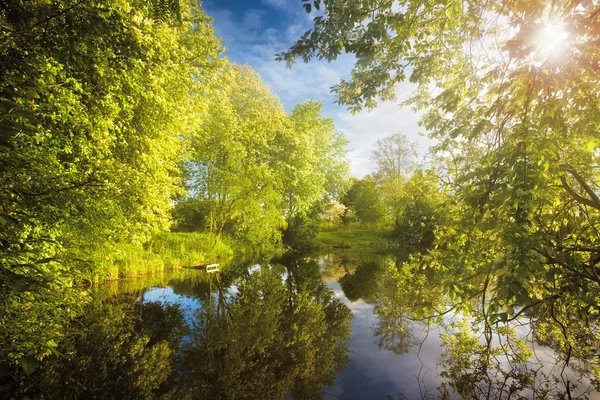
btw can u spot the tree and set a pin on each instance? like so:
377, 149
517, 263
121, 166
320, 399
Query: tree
314, 164
510, 91
313, 168
256, 171
393, 157
334, 213
421, 211
364, 201
88, 146
231, 161
117, 346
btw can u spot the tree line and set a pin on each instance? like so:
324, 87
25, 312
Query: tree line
112, 112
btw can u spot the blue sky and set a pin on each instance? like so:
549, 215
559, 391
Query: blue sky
255, 30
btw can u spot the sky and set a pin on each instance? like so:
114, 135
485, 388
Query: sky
255, 30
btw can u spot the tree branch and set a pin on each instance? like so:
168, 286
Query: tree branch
577, 196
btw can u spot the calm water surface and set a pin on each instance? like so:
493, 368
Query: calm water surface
384, 357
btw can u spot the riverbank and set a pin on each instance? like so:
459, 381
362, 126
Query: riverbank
354, 239
165, 251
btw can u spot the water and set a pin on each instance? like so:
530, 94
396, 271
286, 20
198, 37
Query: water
296, 327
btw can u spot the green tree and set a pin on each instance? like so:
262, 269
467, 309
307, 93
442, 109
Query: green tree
509, 91
421, 211
230, 158
118, 347
314, 170
364, 201
89, 145
394, 157
255, 171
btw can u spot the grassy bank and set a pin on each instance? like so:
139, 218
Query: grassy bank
353, 239
165, 251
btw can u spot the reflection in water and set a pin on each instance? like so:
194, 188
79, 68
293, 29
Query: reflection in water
273, 330
269, 338
257, 333
475, 359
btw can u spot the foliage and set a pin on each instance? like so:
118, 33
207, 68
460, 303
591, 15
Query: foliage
332, 216
393, 156
421, 211
509, 91
231, 166
302, 228
364, 200
164, 251
89, 146
353, 240
253, 170
364, 282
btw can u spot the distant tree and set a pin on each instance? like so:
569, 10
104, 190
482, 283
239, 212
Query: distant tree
257, 172
393, 157
333, 213
231, 165
421, 211
364, 201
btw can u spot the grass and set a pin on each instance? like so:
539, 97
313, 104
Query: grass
165, 251
351, 240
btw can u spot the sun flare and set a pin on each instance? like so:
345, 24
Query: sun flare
552, 40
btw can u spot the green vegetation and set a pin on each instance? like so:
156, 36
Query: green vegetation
163, 252
255, 173
119, 118
353, 239
269, 338
516, 122
273, 337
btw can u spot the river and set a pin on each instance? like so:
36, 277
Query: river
320, 326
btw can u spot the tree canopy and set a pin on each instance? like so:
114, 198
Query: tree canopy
509, 91
253, 171
94, 98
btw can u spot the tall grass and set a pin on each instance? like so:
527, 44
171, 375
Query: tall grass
165, 251
188, 249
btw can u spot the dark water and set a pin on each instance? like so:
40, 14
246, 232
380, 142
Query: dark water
298, 327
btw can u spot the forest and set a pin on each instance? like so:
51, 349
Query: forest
130, 145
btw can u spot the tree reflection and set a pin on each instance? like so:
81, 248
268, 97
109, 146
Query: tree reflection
258, 333
118, 348
268, 338
364, 283
483, 356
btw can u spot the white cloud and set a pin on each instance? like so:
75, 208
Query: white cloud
281, 4
252, 19
364, 128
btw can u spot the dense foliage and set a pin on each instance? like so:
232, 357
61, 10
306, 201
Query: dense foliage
89, 147
110, 113
253, 171
509, 91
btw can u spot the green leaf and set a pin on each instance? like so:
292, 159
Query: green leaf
6, 219
29, 364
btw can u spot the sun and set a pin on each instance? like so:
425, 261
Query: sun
552, 40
